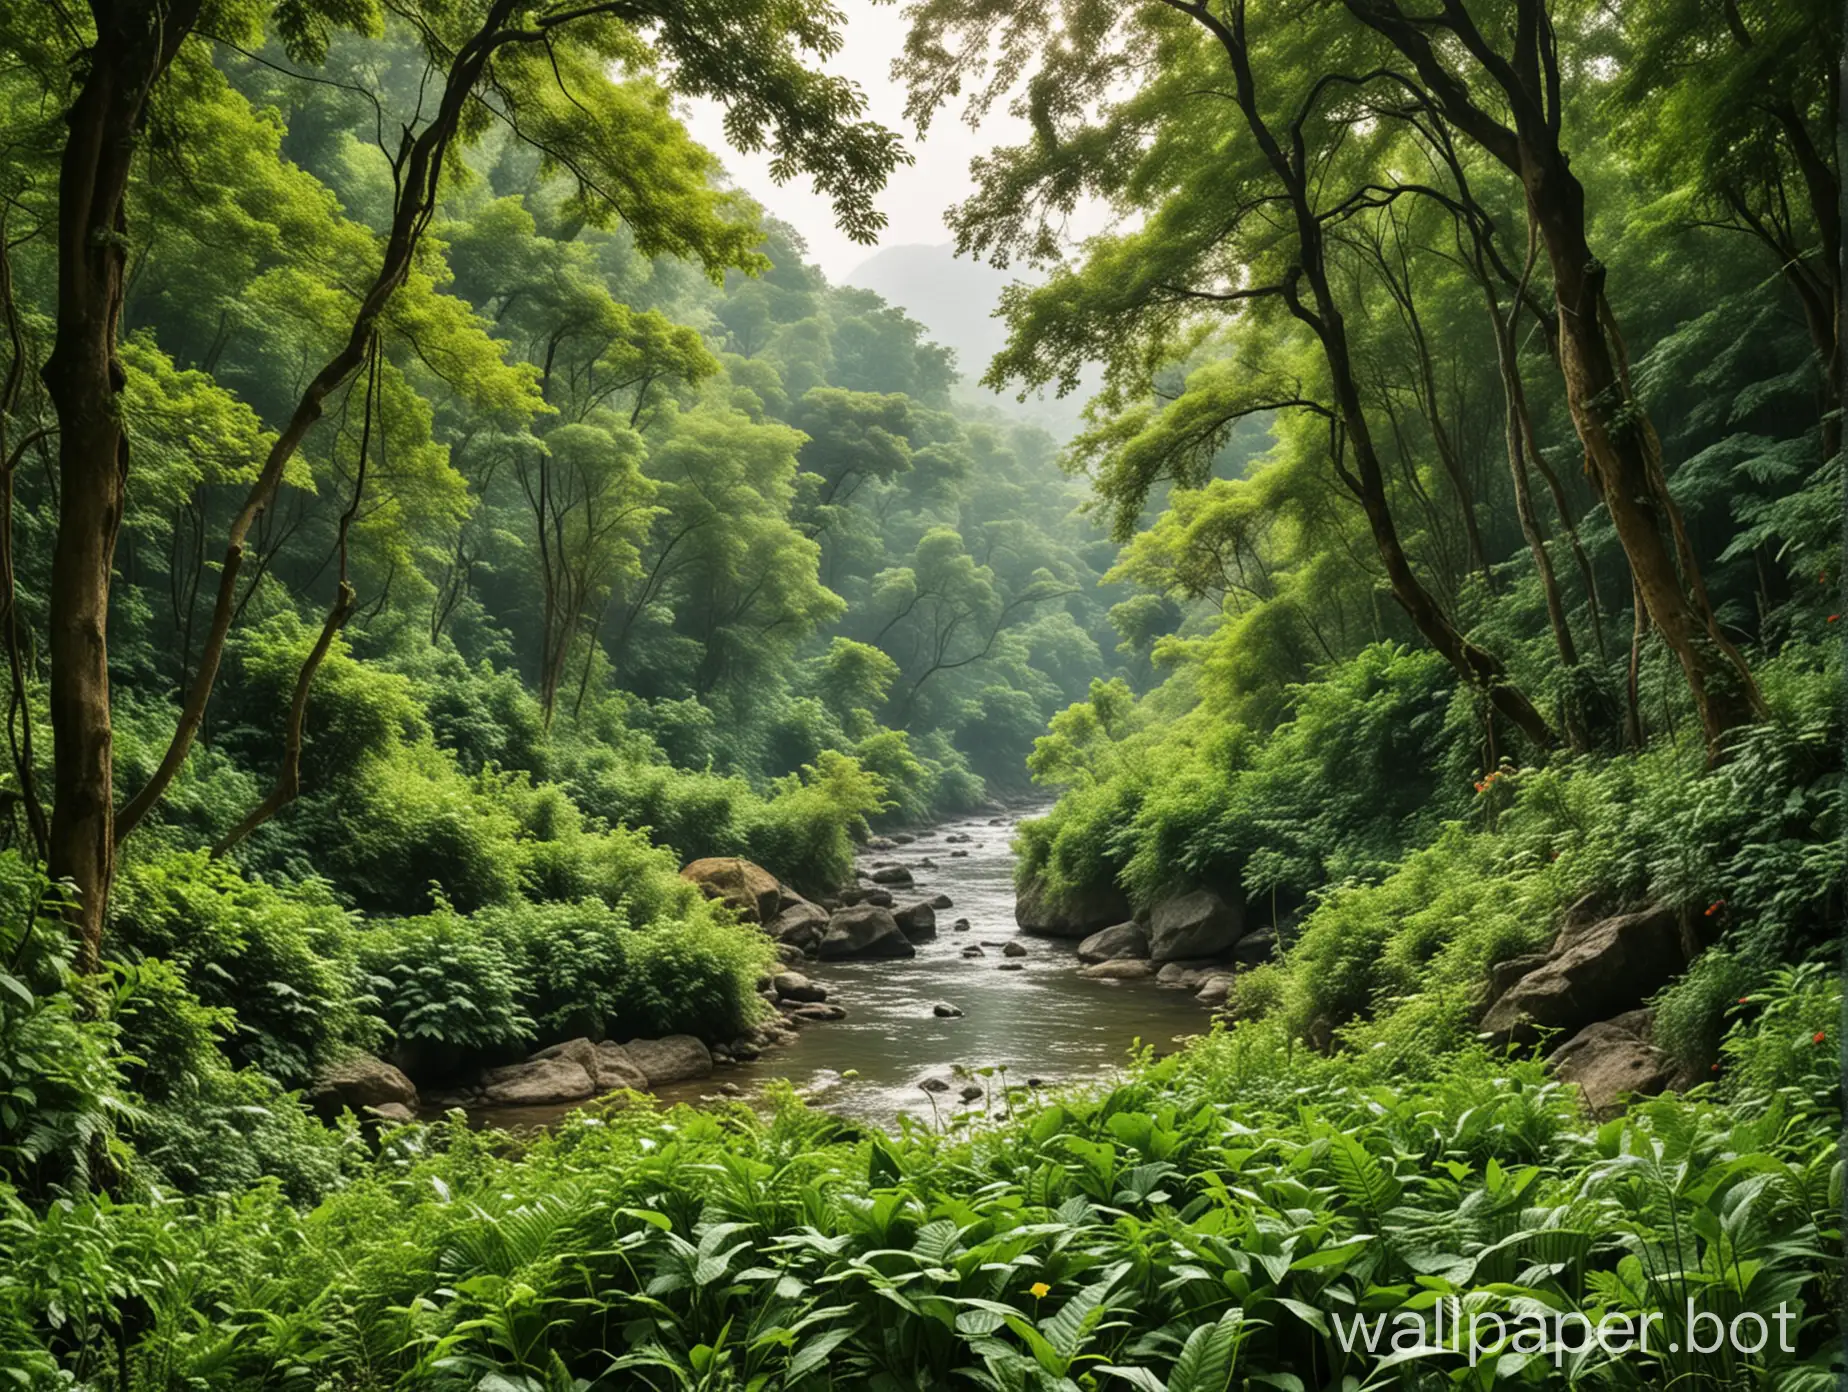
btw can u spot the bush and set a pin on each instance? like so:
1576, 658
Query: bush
62, 1096
440, 983
280, 959
571, 961
698, 976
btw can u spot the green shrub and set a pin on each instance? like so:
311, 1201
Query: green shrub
697, 976
570, 960
63, 1100
440, 983
281, 959
1785, 1044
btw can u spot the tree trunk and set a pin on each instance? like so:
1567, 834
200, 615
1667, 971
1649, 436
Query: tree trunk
135, 42
1626, 456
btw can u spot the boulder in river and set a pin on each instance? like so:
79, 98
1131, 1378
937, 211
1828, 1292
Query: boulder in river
1073, 915
958, 855
1013, 949
1011, 966
971, 1092
670, 1060
1189, 974
1119, 969
800, 924
747, 888
1123, 940
892, 875
1594, 971
916, 921
961, 925
616, 1069
864, 930
538, 1082
943, 1010
903, 838
1198, 924
934, 1084
794, 986
358, 1082
1214, 988
940, 901
881, 843
973, 951
818, 1013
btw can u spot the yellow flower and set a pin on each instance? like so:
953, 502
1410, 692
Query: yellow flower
1038, 1289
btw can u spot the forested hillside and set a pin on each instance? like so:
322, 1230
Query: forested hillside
475, 594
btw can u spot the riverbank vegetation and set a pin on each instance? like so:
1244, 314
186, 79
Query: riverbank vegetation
436, 507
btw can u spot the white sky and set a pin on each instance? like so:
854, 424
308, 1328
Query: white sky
917, 194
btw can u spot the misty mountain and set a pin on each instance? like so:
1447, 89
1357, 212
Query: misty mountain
955, 299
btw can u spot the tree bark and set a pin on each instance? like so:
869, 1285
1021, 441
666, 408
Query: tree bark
419, 176
1620, 442
1476, 666
136, 41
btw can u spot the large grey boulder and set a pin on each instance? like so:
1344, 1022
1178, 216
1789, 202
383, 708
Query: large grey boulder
892, 875
800, 924
1199, 924
917, 922
865, 930
1076, 915
615, 1069
1595, 971
538, 1082
673, 1059
358, 1082
1122, 940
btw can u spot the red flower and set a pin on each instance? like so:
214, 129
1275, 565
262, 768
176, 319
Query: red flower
1714, 907
1716, 1068
1820, 1036
1832, 618
1744, 999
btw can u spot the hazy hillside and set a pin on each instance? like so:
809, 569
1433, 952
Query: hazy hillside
955, 298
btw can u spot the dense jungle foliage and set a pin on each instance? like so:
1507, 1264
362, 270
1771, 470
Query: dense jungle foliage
435, 505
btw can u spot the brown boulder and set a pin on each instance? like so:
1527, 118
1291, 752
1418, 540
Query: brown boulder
800, 925
1122, 940
1595, 970
1119, 969
615, 1069
916, 921
538, 1082
358, 1082
864, 931
751, 891
1612, 1060
670, 1060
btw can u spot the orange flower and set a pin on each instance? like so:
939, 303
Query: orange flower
1715, 907
1820, 1036
1716, 1068
1744, 999
1833, 617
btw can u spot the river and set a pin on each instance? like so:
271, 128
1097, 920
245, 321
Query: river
1042, 1021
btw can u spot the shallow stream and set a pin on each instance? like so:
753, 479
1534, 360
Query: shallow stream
1041, 1021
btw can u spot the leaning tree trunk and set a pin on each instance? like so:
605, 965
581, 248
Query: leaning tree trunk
135, 42
1625, 456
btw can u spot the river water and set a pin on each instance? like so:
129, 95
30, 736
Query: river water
1043, 1021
